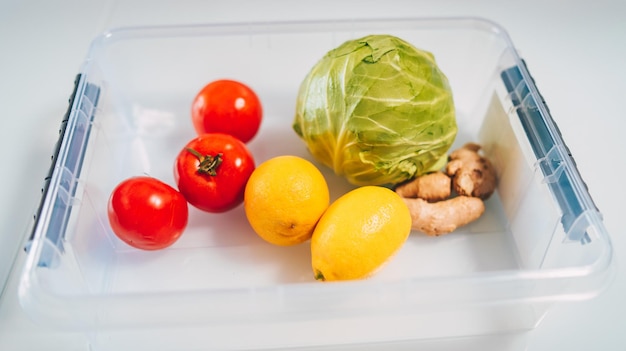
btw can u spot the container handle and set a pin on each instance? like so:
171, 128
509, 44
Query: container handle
553, 157
66, 163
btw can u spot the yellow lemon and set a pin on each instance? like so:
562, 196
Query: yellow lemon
358, 233
284, 198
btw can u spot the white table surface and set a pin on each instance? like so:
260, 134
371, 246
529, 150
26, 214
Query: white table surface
576, 51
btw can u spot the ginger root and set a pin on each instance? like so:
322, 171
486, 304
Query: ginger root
471, 173
428, 197
430, 187
443, 217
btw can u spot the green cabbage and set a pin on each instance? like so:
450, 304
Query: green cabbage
377, 110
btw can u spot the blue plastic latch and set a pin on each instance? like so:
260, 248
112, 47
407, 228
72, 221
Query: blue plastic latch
52, 215
550, 151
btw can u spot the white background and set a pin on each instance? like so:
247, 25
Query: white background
576, 51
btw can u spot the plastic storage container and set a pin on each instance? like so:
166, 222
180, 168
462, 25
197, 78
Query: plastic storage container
540, 241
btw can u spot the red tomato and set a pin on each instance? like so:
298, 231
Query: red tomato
212, 170
147, 213
227, 106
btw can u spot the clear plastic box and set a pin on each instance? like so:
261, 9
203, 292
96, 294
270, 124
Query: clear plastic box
540, 241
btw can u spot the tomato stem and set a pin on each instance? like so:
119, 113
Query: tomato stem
208, 164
